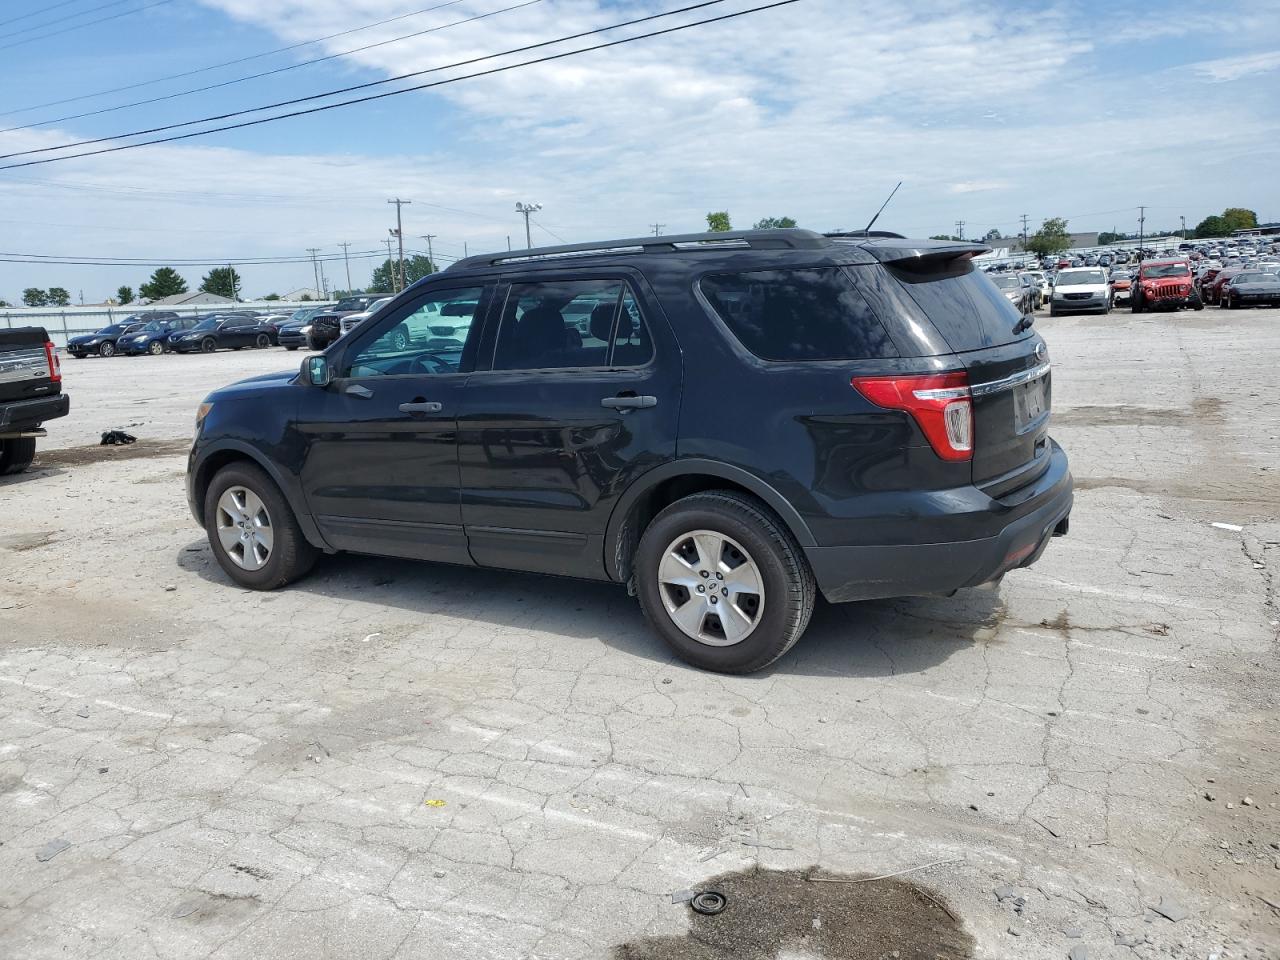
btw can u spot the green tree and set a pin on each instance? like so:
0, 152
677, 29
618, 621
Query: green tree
1108, 236
992, 234
770, 223
944, 236
35, 297
223, 281
272, 296
59, 297
165, 282
5, 304
386, 278
124, 295
305, 297
1239, 218
1051, 238
1212, 226
718, 222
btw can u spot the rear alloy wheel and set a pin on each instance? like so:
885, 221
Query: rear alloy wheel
208, 345
400, 339
723, 582
252, 530
106, 349
16, 455
263, 341
155, 348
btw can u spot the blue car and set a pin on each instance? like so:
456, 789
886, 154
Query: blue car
153, 338
102, 342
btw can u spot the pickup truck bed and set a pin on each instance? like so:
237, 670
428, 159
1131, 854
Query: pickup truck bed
30, 394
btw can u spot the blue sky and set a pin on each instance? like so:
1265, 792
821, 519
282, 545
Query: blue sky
985, 109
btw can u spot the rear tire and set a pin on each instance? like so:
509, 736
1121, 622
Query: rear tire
750, 534
1135, 306
290, 556
291, 349
16, 455
263, 341
400, 339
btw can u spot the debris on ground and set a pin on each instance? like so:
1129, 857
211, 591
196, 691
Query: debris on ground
51, 849
683, 896
1078, 952
83, 713
709, 902
1171, 909
112, 438
1234, 528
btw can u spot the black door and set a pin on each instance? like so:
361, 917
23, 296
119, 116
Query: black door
581, 395
238, 332
380, 465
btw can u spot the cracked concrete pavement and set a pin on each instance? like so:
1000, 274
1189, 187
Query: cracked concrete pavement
407, 760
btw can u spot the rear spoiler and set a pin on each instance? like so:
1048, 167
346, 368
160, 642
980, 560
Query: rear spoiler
922, 254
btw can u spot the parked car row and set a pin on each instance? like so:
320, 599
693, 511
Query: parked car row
166, 332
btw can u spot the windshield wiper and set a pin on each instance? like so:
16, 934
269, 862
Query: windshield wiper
1024, 324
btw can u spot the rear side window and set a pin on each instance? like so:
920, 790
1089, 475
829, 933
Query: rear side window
805, 314
965, 306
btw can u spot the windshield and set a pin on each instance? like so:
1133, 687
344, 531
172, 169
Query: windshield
1167, 270
351, 305
1253, 277
1006, 283
1080, 277
306, 313
155, 326
209, 323
112, 329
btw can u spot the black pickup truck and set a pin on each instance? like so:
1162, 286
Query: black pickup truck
30, 394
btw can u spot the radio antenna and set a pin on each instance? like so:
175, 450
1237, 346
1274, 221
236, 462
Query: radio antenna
868, 227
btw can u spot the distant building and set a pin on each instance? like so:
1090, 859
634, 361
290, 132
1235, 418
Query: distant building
305, 293
190, 299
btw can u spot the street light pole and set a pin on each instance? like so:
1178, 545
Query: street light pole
528, 209
400, 233
431, 258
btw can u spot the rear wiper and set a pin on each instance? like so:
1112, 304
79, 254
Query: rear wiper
1024, 324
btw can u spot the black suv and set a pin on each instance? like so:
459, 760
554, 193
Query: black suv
729, 424
326, 325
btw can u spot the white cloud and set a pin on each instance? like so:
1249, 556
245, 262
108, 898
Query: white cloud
1233, 68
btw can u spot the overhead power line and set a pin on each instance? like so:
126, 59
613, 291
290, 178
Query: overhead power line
226, 63
36, 13
88, 259
87, 23
57, 20
392, 93
269, 73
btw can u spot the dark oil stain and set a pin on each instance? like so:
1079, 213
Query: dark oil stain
22, 542
1061, 623
774, 913
1203, 410
80, 456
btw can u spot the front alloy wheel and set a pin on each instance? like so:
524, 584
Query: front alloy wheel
244, 528
711, 588
208, 345
107, 349
155, 348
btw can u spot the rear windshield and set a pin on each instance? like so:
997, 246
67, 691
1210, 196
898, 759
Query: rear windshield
805, 314
965, 306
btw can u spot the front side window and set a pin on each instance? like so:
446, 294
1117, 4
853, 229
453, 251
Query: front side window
804, 314
424, 336
557, 324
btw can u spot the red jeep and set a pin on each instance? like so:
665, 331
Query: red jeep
1164, 284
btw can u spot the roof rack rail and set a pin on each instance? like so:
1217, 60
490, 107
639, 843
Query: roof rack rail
785, 239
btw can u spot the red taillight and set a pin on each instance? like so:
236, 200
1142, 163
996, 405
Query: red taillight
939, 403
55, 368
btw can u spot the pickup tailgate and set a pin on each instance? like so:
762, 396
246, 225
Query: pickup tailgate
26, 372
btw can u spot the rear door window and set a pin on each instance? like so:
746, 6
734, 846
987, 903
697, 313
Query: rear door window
557, 324
800, 314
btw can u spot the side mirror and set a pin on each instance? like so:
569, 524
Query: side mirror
316, 371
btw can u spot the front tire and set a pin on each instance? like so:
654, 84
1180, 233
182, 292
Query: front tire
106, 349
16, 455
757, 591
400, 339
208, 345
155, 348
252, 530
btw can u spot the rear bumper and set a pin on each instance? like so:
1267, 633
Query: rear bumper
20, 415
870, 572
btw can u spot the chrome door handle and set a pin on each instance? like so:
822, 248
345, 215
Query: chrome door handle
421, 406
629, 403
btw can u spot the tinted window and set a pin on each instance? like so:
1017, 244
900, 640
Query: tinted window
807, 314
424, 336
962, 303
557, 324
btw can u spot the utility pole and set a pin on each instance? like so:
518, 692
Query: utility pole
315, 267
464, 250
960, 229
430, 256
1184, 228
1142, 220
528, 209
231, 279
391, 269
400, 234
1024, 233
657, 228
347, 260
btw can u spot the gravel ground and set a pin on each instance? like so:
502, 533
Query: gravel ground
418, 761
